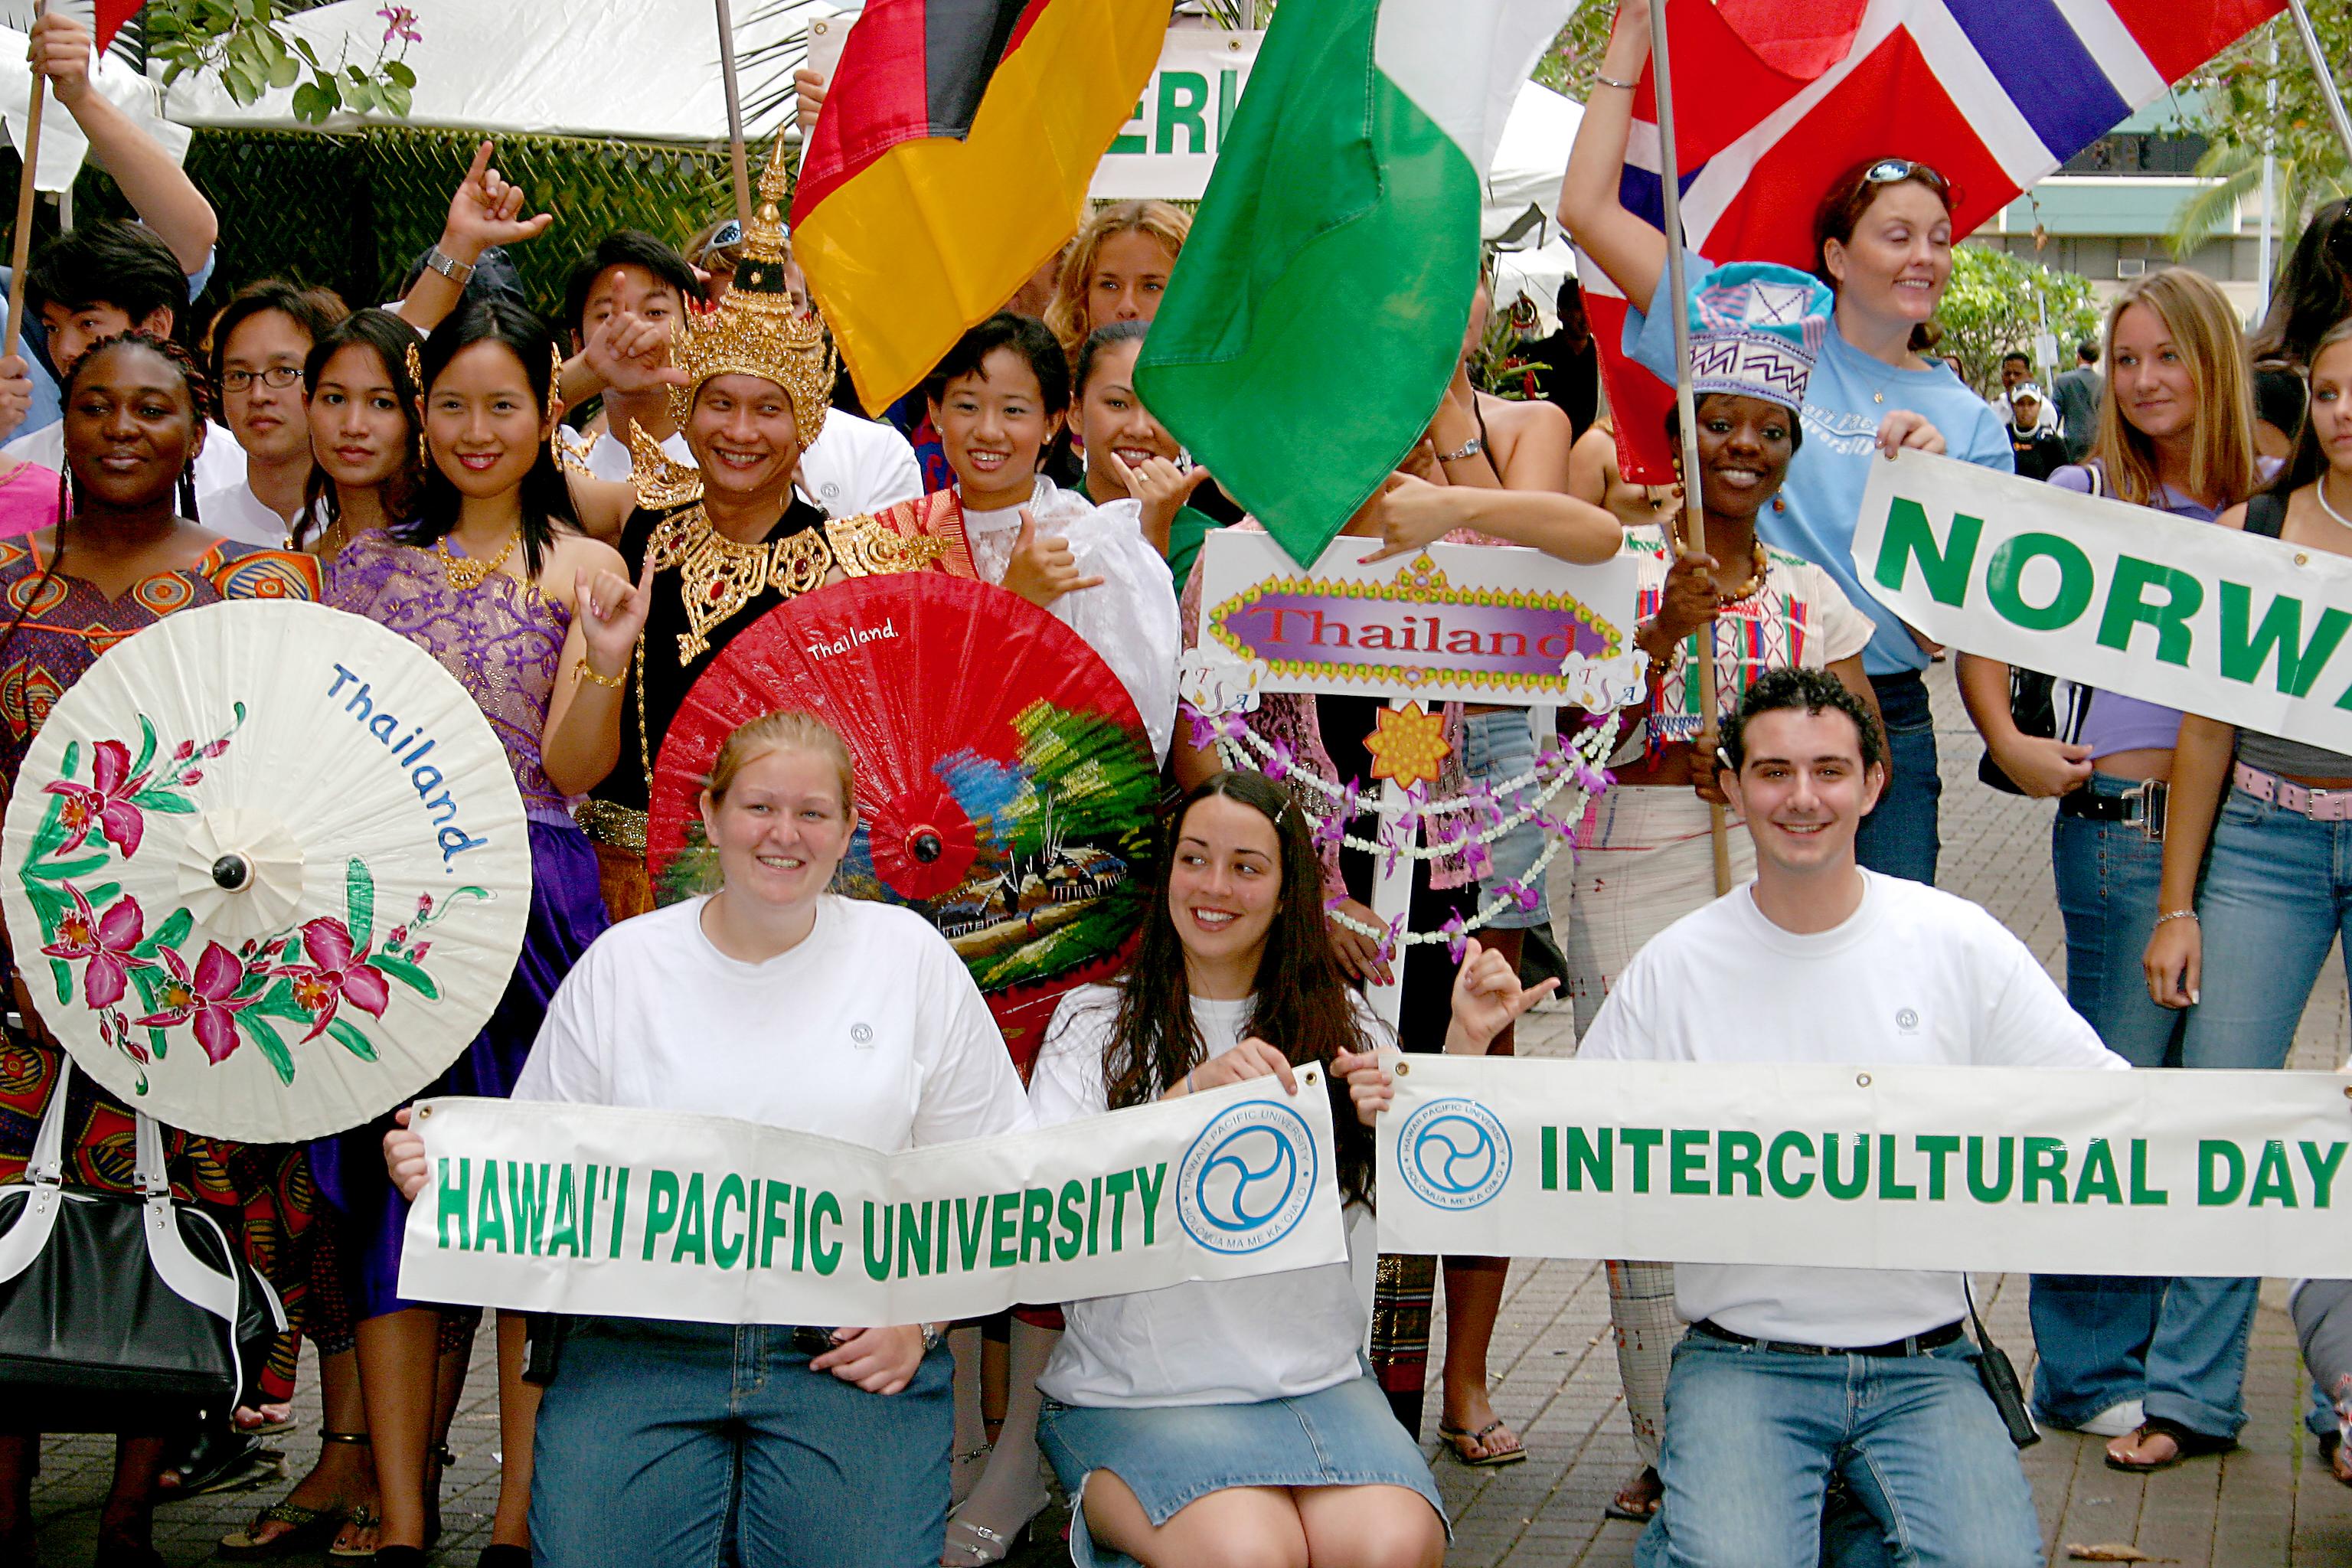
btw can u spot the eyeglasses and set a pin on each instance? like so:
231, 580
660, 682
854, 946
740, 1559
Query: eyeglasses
280, 376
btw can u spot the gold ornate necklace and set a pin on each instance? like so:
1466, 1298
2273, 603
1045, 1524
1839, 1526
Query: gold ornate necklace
719, 575
465, 572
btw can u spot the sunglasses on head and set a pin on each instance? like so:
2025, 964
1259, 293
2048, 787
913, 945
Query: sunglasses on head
1894, 171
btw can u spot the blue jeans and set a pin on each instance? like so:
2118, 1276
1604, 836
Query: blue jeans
1753, 1437
2277, 893
665, 1443
1898, 837
2091, 1332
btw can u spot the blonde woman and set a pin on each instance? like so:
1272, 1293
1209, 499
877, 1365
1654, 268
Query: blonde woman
1116, 269
2175, 432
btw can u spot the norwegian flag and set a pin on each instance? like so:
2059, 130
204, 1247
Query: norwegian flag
1776, 98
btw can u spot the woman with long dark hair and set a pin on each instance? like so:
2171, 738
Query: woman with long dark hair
537, 621
367, 430
130, 549
1234, 1420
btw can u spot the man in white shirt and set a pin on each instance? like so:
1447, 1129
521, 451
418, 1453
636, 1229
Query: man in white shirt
1791, 1375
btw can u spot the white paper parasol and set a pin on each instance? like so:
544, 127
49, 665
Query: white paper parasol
266, 870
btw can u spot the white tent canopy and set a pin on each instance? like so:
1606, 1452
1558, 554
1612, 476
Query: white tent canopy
1530, 161
644, 71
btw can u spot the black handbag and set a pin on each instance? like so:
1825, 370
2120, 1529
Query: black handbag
113, 1306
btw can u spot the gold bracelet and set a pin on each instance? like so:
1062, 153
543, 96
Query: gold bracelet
581, 672
2176, 915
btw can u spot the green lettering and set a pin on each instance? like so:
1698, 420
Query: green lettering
774, 1196
1550, 1158
563, 1231
1944, 570
1889, 1189
527, 1202
1094, 1211
2274, 1178
914, 1240
1037, 1222
588, 1209
491, 1217
2005, 578
450, 1199
1148, 1180
1777, 1165
2127, 607
1938, 1147
2323, 1171
1004, 1221
1116, 1186
2098, 1179
878, 1266
826, 1256
1849, 1187
1738, 1154
724, 1252
2299, 663
2215, 1156
1640, 1140
970, 1226
2141, 1193
620, 1212
2045, 1167
693, 1232
1595, 1159
1991, 1192
1687, 1162
1192, 87
1135, 144
1072, 1216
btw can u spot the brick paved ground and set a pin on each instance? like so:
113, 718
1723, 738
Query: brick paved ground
2270, 1503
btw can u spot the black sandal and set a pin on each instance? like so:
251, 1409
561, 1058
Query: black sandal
2187, 1444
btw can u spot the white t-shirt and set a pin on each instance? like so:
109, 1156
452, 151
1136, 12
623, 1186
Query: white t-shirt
1225, 1342
870, 1030
1913, 976
219, 467
238, 513
856, 466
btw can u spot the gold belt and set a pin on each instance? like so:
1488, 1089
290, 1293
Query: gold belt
617, 827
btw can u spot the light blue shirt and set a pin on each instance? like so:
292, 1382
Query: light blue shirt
1824, 490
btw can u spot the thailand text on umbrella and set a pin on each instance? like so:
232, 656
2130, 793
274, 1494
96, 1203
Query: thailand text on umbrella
1004, 784
265, 870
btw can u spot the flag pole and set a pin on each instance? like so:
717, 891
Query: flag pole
20, 249
2319, 69
1694, 505
742, 174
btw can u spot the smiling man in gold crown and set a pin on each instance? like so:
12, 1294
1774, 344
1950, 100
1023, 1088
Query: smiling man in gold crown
727, 540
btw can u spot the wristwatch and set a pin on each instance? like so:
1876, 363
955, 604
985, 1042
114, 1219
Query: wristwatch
448, 265
932, 1334
1470, 448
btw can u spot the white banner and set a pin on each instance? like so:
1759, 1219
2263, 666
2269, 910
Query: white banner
609, 1211
2123, 599
1170, 144
2009, 1169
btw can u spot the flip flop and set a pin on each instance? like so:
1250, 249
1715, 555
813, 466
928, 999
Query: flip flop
2186, 1445
310, 1528
1461, 1439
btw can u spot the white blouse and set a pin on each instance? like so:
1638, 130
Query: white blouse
1223, 1342
1130, 620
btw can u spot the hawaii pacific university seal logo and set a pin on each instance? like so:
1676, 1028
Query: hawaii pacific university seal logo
1454, 1154
1246, 1181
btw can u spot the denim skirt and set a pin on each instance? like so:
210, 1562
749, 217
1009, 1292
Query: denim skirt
1170, 1454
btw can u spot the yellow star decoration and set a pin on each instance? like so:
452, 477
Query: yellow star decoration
1408, 745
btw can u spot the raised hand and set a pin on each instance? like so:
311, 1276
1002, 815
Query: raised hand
1160, 489
628, 352
61, 51
610, 611
1487, 999
487, 210
1043, 570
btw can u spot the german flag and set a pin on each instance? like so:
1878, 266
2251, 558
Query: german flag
951, 161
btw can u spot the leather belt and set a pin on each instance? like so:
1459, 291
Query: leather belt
2319, 804
2143, 805
1918, 1344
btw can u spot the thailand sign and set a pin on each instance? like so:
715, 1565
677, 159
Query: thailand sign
1447, 623
2002, 1169
2246, 630
610, 1212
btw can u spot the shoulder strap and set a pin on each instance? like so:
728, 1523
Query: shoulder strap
2266, 514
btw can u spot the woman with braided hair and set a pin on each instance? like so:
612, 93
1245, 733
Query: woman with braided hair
129, 552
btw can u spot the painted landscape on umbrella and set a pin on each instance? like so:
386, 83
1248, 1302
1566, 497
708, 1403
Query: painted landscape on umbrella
154, 989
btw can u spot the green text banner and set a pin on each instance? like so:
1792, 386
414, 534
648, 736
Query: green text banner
2250, 631
2164, 1172
607, 1212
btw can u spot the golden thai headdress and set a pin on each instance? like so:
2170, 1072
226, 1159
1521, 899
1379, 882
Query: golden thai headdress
758, 328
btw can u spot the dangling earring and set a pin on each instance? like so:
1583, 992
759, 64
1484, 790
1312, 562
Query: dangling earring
555, 406
416, 366
1778, 504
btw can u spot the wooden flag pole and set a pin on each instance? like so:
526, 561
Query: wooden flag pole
742, 173
20, 249
1694, 505
2320, 69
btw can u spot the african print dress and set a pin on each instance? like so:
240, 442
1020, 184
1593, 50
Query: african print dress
57, 627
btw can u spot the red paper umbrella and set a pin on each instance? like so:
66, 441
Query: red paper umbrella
1004, 784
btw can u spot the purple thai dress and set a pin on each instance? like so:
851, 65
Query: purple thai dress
504, 642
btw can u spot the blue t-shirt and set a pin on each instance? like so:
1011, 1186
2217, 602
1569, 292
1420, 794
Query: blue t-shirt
1824, 490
